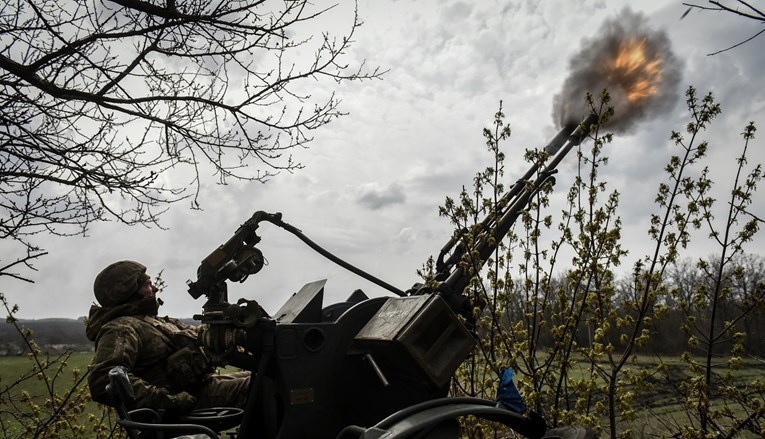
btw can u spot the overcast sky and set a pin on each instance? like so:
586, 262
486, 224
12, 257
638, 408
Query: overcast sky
374, 179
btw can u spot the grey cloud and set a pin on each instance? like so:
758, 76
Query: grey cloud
375, 197
456, 11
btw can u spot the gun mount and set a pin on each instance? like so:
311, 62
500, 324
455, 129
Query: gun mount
365, 367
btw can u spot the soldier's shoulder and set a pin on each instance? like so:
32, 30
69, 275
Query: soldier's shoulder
126, 322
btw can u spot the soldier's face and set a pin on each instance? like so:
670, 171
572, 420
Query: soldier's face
148, 289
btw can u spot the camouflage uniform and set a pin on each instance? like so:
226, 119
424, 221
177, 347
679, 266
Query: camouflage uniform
130, 334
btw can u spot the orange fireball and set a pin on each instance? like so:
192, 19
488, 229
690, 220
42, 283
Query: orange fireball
634, 69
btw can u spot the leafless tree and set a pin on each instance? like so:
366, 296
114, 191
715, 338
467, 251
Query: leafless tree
738, 7
101, 99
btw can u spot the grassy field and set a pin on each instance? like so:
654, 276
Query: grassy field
658, 409
20, 393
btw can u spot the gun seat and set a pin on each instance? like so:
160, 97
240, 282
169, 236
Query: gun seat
149, 423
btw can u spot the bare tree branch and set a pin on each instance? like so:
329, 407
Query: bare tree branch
719, 6
102, 100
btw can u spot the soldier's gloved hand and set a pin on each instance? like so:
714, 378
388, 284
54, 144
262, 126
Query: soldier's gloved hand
181, 402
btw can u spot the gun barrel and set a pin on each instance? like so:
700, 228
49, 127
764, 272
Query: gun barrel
575, 137
516, 199
559, 140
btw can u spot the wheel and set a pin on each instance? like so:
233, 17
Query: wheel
569, 432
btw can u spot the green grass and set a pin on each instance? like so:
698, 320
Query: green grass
20, 390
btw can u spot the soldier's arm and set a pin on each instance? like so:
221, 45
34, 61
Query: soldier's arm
118, 345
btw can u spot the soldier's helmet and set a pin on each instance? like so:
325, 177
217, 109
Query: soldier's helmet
116, 283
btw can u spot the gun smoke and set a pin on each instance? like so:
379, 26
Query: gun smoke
633, 62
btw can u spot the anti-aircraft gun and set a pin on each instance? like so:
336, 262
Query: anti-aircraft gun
366, 367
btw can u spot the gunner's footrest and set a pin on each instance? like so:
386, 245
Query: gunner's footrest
215, 418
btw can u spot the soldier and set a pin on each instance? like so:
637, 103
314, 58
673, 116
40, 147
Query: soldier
166, 366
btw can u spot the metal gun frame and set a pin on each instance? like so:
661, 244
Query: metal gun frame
366, 367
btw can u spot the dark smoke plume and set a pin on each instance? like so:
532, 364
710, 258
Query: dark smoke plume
587, 74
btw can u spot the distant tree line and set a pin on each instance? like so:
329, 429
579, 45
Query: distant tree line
52, 335
743, 289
